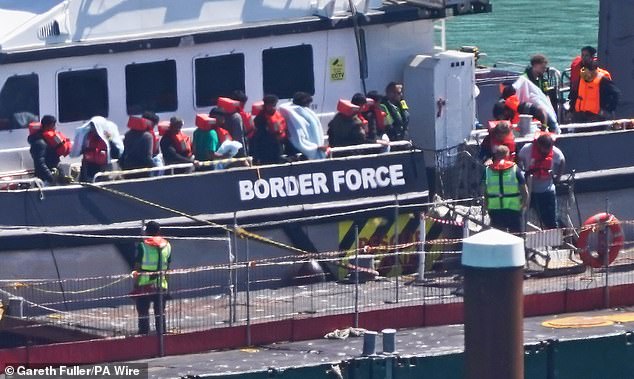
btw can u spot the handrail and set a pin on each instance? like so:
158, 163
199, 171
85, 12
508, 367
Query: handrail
369, 146
31, 181
587, 125
172, 167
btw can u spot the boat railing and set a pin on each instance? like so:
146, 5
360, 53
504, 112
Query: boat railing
18, 184
370, 148
169, 169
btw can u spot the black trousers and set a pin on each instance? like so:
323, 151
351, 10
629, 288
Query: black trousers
143, 310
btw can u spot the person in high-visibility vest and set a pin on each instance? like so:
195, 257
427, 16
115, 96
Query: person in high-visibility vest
153, 257
505, 191
596, 97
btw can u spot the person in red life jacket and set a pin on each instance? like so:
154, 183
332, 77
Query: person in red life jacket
505, 192
96, 152
267, 144
509, 108
138, 146
47, 146
154, 118
543, 164
176, 147
588, 56
233, 121
220, 127
348, 127
500, 134
248, 129
153, 257
596, 97
375, 115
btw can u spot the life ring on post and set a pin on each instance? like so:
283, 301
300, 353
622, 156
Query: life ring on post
600, 223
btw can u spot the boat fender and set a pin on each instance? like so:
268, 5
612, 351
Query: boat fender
204, 122
139, 123
598, 224
228, 105
163, 127
346, 108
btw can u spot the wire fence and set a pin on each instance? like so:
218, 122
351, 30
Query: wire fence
360, 279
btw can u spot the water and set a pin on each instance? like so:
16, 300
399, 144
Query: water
517, 29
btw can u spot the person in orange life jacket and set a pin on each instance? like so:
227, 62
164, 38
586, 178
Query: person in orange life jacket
374, 115
543, 164
47, 146
267, 144
154, 118
499, 135
220, 128
505, 192
397, 112
95, 154
595, 98
138, 147
176, 147
153, 255
509, 108
349, 127
247, 123
233, 121
587, 57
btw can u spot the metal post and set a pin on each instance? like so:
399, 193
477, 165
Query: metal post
397, 250
493, 264
356, 276
248, 294
230, 280
422, 236
234, 284
606, 258
161, 299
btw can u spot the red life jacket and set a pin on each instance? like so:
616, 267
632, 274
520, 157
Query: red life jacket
379, 115
96, 150
508, 141
204, 122
223, 134
144, 125
513, 102
163, 127
502, 164
34, 127
346, 108
181, 143
56, 140
276, 125
540, 165
228, 105
247, 123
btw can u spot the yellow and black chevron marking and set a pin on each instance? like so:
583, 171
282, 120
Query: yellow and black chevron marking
380, 231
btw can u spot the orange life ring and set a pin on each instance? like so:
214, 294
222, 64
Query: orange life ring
593, 224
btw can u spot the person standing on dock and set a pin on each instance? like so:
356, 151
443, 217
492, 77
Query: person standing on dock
505, 191
153, 257
47, 146
544, 164
397, 112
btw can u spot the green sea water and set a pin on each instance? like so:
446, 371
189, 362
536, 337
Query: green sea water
516, 29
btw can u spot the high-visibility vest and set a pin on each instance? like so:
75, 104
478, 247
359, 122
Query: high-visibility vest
152, 247
502, 186
589, 95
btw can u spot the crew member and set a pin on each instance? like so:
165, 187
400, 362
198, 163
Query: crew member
267, 144
499, 135
397, 112
588, 55
596, 97
536, 73
47, 146
505, 192
176, 146
544, 164
153, 257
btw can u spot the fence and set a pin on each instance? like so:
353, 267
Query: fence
247, 292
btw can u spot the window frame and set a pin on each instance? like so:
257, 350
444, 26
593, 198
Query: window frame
61, 120
312, 67
210, 56
170, 60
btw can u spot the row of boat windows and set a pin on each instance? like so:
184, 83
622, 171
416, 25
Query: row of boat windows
82, 94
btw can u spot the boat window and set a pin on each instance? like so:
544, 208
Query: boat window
218, 76
151, 87
82, 94
288, 70
19, 101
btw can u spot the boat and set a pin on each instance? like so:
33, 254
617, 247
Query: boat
83, 234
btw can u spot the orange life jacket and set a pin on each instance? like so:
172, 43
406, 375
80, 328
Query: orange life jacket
181, 143
223, 135
346, 108
34, 127
139, 123
276, 125
508, 141
163, 127
96, 150
589, 98
513, 102
540, 165
228, 105
379, 115
502, 164
205, 122
247, 123
605, 72
56, 140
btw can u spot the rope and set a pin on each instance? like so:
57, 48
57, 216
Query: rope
238, 231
